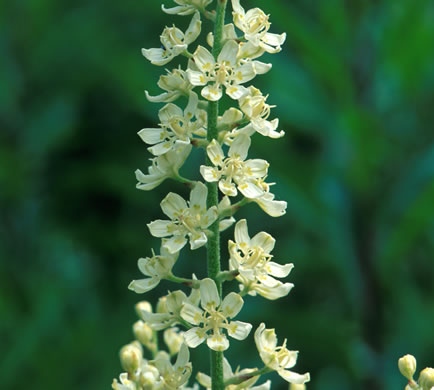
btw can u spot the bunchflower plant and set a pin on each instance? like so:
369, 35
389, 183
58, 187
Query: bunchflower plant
278, 358
163, 167
214, 318
156, 267
252, 259
174, 42
235, 172
255, 25
192, 125
187, 220
176, 127
187, 7
225, 72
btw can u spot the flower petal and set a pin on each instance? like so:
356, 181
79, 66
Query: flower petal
231, 305
194, 337
198, 198
239, 330
152, 136
215, 153
160, 228
264, 241
228, 54
173, 205
212, 92
204, 59
209, 295
240, 147
278, 270
250, 190
293, 377
175, 243
209, 174
218, 342
192, 314
241, 234
193, 29
143, 285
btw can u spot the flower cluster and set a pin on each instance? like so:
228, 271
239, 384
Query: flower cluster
407, 367
190, 120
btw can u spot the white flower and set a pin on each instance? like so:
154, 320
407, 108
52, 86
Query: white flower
187, 7
156, 267
176, 127
257, 110
143, 333
175, 83
169, 309
234, 169
278, 358
252, 258
190, 219
148, 377
255, 25
163, 167
214, 318
125, 383
174, 376
174, 42
205, 380
223, 72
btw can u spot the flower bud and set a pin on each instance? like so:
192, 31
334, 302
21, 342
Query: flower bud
426, 378
173, 340
143, 332
143, 306
294, 386
407, 366
131, 357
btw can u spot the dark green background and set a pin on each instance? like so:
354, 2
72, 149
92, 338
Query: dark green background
354, 89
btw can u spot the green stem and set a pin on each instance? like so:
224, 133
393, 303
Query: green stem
236, 380
213, 246
186, 282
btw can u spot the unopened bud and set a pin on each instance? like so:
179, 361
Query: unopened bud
162, 305
143, 332
426, 378
294, 386
143, 306
131, 357
407, 366
173, 340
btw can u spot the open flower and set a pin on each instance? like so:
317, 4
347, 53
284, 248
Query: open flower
124, 384
156, 267
175, 83
187, 219
174, 376
176, 127
174, 42
163, 167
214, 318
228, 374
278, 358
255, 25
169, 309
213, 75
234, 172
187, 7
252, 258
254, 106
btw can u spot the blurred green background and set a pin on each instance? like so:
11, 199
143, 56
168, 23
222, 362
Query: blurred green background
354, 89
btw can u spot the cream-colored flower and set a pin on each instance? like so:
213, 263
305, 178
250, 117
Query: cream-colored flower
187, 7
169, 309
254, 106
213, 75
255, 25
214, 318
278, 358
125, 383
174, 42
174, 376
144, 333
131, 356
187, 219
176, 127
175, 83
205, 380
252, 258
163, 167
407, 366
234, 172
156, 267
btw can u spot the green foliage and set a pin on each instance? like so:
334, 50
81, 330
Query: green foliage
354, 91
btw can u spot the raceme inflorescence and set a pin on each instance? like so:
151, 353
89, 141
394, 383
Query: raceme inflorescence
200, 313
